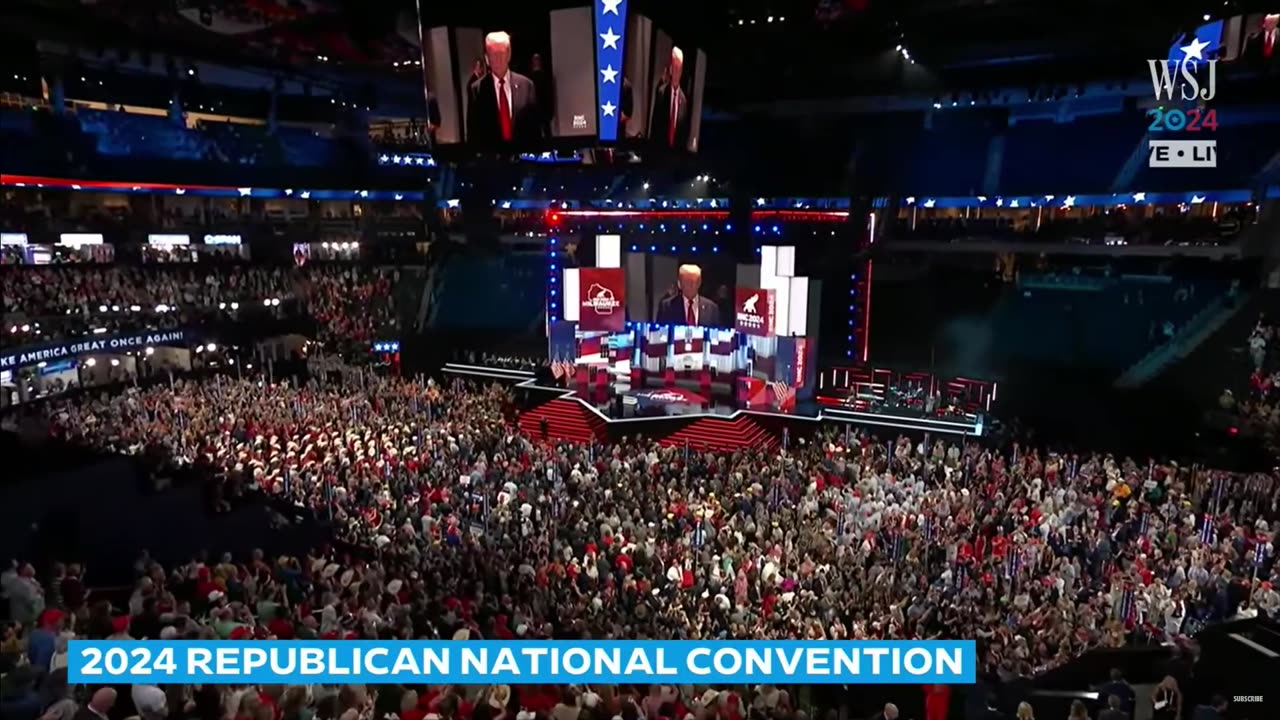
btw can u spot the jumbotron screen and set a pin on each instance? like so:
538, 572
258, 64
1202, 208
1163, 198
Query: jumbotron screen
529, 78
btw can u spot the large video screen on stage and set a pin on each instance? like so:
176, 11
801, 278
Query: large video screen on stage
695, 291
706, 290
524, 78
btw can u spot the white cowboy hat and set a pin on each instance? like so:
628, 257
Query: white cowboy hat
499, 696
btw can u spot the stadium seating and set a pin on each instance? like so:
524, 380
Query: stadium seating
501, 292
1098, 322
1079, 156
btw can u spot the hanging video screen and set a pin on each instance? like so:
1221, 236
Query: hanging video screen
664, 80
511, 80
533, 79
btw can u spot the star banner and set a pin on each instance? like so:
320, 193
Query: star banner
610, 30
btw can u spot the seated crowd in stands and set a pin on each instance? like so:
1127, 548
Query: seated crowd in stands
351, 303
1115, 228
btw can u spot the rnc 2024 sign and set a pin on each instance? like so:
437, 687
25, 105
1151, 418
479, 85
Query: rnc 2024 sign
30, 355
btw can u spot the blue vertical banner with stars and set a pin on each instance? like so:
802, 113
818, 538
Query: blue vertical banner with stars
611, 30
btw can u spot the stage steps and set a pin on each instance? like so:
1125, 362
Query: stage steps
567, 419
711, 433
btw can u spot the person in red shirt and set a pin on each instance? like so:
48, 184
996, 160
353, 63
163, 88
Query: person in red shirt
937, 699
280, 626
998, 545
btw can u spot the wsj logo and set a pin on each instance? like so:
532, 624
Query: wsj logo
1183, 153
1183, 81
1165, 76
579, 122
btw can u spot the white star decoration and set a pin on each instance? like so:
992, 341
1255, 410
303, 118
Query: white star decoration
1069, 201
999, 202
1192, 51
930, 202
610, 39
1139, 197
610, 6
608, 108
245, 191
1013, 203
610, 75
453, 203
1196, 199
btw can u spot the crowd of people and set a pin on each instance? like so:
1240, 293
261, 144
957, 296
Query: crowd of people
1111, 227
1040, 555
350, 303
1261, 407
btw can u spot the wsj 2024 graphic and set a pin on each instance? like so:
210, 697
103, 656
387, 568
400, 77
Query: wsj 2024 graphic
1191, 79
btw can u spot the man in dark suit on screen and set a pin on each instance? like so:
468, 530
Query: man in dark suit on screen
669, 120
688, 307
502, 105
1262, 50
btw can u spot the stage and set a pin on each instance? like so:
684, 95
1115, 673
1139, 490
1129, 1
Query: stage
677, 415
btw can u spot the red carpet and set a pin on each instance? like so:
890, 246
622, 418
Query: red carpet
566, 420
713, 433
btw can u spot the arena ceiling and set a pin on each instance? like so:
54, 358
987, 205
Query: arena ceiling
758, 49
847, 47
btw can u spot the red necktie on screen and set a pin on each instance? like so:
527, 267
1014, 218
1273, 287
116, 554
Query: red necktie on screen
689, 319
671, 127
504, 109
1270, 45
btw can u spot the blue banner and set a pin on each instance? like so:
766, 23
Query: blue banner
89, 344
611, 30
532, 662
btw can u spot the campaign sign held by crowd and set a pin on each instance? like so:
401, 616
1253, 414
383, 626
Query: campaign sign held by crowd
602, 296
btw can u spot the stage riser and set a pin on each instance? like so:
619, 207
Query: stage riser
727, 435
566, 420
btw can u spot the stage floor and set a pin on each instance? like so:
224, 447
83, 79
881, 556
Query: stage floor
651, 404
